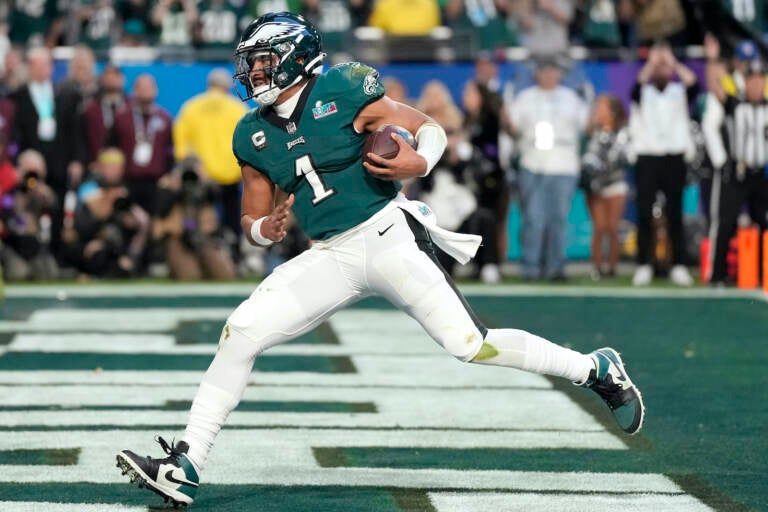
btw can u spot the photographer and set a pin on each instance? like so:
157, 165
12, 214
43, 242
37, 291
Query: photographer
110, 232
25, 222
188, 226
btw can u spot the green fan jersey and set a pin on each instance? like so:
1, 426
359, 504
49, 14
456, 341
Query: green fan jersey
31, 19
316, 154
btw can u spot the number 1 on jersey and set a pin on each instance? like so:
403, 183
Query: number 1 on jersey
305, 168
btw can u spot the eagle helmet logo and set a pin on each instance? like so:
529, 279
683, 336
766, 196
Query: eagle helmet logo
293, 45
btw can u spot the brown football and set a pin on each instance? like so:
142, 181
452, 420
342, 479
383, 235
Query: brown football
381, 142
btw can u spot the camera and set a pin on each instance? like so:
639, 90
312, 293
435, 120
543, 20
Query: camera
103, 182
189, 177
121, 205
29, 181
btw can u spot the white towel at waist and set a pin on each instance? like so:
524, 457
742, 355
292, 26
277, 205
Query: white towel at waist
459, 246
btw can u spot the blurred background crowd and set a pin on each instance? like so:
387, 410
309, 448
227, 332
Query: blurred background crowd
99, 179
209, 28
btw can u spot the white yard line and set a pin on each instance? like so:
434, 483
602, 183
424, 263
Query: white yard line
64, 291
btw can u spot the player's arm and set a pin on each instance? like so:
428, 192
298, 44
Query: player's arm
409, 163
263, 222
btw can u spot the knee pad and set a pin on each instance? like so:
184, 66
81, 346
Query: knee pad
463, 341
268, 317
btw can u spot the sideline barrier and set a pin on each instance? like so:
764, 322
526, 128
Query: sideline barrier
765, 261
749, 249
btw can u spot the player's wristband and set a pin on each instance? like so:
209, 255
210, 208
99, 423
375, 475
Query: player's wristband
256, 233
430, 143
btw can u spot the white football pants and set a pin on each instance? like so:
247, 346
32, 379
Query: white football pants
389, 255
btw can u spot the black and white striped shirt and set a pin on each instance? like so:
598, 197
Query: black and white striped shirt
738, 130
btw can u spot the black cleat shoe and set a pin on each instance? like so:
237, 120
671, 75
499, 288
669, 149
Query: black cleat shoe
611, 382
175, 477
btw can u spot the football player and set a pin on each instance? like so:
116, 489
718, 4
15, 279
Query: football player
305, 140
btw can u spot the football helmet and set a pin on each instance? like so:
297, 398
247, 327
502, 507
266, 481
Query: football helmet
285, 38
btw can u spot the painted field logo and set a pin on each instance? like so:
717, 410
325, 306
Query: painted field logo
324, 110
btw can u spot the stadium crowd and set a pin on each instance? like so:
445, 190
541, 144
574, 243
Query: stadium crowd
98, 180
540, 25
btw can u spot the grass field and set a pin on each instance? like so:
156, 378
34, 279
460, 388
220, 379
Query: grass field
367, 413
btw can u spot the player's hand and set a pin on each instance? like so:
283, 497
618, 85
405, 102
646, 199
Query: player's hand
407, 164
275, 226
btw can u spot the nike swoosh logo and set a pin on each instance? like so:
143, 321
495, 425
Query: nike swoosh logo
169, 477
381, 233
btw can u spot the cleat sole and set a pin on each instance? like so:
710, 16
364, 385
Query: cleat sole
144, 483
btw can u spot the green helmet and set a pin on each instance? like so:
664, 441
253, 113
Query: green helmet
290, 38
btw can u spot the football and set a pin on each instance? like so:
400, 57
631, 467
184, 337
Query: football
381, 142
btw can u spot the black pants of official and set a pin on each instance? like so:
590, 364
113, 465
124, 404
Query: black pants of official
666, 174
733, 195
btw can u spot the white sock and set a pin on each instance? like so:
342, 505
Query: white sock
520, 349
219, 393
209, 411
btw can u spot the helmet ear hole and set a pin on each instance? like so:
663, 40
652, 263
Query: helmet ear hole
291, 38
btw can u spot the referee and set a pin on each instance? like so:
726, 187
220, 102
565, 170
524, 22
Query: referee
736, 134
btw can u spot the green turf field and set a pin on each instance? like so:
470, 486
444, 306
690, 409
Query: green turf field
367, 413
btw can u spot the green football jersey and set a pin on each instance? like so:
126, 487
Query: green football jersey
316, 154
31, 19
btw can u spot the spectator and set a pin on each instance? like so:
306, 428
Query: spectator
751, 13
134, 35
45, 122
186, 222
98, 24
600, 27
81, 80
334, 19
142, 131
735, 130
483, 121
487, 72
396, 90
176, 20
660, 19
136, 27
545, 25
217, 26
204, 128
720, 81
261, 7
660, 133
35, 23
110, 229
487, 19
14, 72
8, 178
451, 191
99, 113
25, 222
548, 119
436, 102
603, 176
406, 17
7, 115
80, 85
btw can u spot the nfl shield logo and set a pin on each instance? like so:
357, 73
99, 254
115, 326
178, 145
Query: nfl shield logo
290, 127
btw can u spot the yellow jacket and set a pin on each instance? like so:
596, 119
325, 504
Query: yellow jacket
204, 127
405, 17
734, 87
